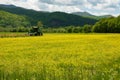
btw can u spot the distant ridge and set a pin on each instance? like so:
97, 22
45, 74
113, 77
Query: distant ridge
86, 14
7, 6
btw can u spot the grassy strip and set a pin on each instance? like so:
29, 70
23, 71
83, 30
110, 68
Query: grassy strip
9, 34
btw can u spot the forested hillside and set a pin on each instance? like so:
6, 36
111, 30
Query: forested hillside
12, 20
55, 19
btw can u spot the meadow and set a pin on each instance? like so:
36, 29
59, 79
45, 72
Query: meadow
61, 57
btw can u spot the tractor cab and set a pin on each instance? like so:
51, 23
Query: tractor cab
35, 31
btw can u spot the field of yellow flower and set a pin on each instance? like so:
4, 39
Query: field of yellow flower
61, 57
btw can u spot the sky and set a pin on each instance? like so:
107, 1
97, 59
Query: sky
96, 7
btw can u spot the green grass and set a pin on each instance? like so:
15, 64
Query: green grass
61, 57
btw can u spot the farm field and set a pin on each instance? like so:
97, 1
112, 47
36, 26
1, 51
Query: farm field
61, 57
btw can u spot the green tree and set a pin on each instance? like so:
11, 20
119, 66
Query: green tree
70, 29
40, 27
101, 26
77, 29
40, 24
87, 28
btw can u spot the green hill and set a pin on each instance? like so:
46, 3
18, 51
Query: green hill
86, 14
54, 19
12, 20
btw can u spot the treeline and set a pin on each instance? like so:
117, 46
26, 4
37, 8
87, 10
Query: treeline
69, 29
14, 29
107, 25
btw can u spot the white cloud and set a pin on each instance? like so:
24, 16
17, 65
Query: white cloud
63, 8
94, 6
29, 4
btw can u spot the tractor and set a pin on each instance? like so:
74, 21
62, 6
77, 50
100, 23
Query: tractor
35, 31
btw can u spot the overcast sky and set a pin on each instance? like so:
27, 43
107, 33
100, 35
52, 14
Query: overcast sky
96, 7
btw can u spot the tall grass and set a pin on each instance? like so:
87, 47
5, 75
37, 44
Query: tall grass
12, 34
61, 57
